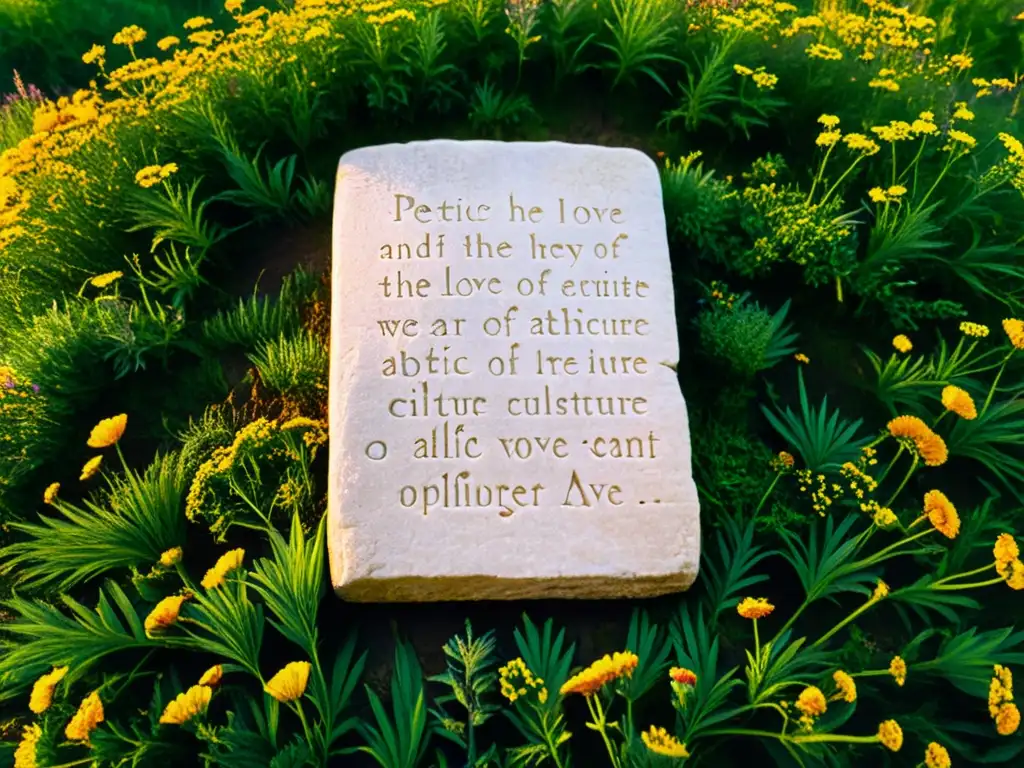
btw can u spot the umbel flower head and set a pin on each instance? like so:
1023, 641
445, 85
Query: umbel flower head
108, 431
42, 690
891, 735
227, 563
290, 683
165, 613
959, 402
187, 705
661, 742
942, 514
754, 608
604, 670
86, 720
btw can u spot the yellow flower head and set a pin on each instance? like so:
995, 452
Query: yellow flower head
212, 676
102, 281
233, 6
929, 445
846, 688
86, 720
92, 466
811, 702
130, 36
959, 402
933, 450
171, 557
517, 680
50, 494
936, 756
227, 563
290, 683
891, 735
661, 742
187, 705
94, 54
884, 517
828, 138
1006, 548
1014, 331
166, 43
198, 22
942, 514
42, 690
902, 343
877, 195
165, 613
898, 670
108, 431
974, 329
829, 121
896, 190
754, 608
1013, 573
786, 459
800, 357
25, 754
603, 671
962, 112
683, 676
742, 71
960, 137
909, 427
1007, 719
881, 591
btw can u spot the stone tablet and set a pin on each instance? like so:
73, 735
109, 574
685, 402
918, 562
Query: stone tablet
505, 417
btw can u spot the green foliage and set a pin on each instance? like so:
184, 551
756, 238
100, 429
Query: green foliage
729, 570
641, 30
176, 276
262, 318
294, 366
399, 739
491, 110
701, 210
745, 335
994, 439
174, 214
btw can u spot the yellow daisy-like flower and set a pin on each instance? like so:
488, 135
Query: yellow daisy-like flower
974, 329
963, 113
942, 514
742, 71
960, 137
909, 427
171, 557
1014, 331
936, 756
603, 671
898, 670
130, 35
50, 494
25, 754
959, 402
929, 445
227, 563
811, 702
197, 22
829, 121
933, 450
1007, 719
1013, 573
212, 676
290, 683
846, 688
108, 431
94, 54
42, 690
166, 43
661, 742
86, 719
1005, 549
902, 343
896, 190
165, 613
891, 735
884, 517
754, 608
877, 195
102, 281
92, 466
881, 591
828, 138
858, 141
187, 705
800, 357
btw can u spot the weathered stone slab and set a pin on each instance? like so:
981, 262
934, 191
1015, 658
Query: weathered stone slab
506, 421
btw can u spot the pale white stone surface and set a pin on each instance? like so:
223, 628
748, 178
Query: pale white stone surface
382, 545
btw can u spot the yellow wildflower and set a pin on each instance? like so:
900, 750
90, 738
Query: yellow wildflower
754, 608
811, 702
25, 754
130, 36
881, 591
1007, 719
959, 402
819, 51
974, 329
858, 141
86, 720
877, 195
108, 431
936, 756
961, 61
102, 281
898, 670
891, 735
884, 517
166, 43
765, 80
42, 690
290, 683
1012, 572
739, 69
683, 676
961, 137
517, 680
1014, 329
800, 357
786, 459
896, 190
233, 6
187, 705
165, 613
604, 670
197, 22
828, 138
171, 557
902, 343
94, 54
1006, 548
661, 742
227, 563
829, 121
212, 676
942, 514
933, 450
50, 494
92, 466
846, 688
910, 427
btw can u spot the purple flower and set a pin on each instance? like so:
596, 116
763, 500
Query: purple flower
9, 384
35, 388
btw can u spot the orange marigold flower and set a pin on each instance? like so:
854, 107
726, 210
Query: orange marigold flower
898, 670
86, 720
902, 343
683, 675
891, 735
187, 705
936, 756
290, 683
50, 494
1014, 331
846, 688
212, 676
165, 613
42, 690
1008, 719
603, 671
92, 466
942, 514
1006, 549
754, 608
108, 431
959, 402
811, 702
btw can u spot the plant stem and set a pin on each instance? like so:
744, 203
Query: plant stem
844, 622
962, 575
951, 587
995, 383
598, 714
767, 493
885, 474
913, 466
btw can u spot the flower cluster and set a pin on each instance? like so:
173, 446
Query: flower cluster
86, 719
152, 175
661, 742
919, 437
187, 705
603, 671
228, 562
754, 608
518, 682
1001, 707
1008, 562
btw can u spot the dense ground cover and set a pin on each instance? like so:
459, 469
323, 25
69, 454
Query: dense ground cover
843, 185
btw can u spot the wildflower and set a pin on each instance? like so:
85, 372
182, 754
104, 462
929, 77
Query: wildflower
171, 557
811, 702
933, 450
683, 676
661, 742
212, 676
930, 446
942, 514
908, 427
959, 402
754, 608
604, 670
42, 690
884, 83
829, 121
25, 754
898, 670
936, 756
102, 281
233, 6
891, 735
92, 466
1013, 573
187, 705
130, 36
739, 69
86, 720
881, 591
960, 137
1014, 329
154, 174
94, 54
197, 22
765, 80
165, 613
228, 562
962, 112
50, 494
1007, 719
902, 343
884, 517
166, 43
974, 329
517, 680
108, 431
858, 141
819, 51
828, 138
877, 195
846, 689
800, 357
1006, 549
897, 190
785, 459
290, 683
924, 127
1000, 690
